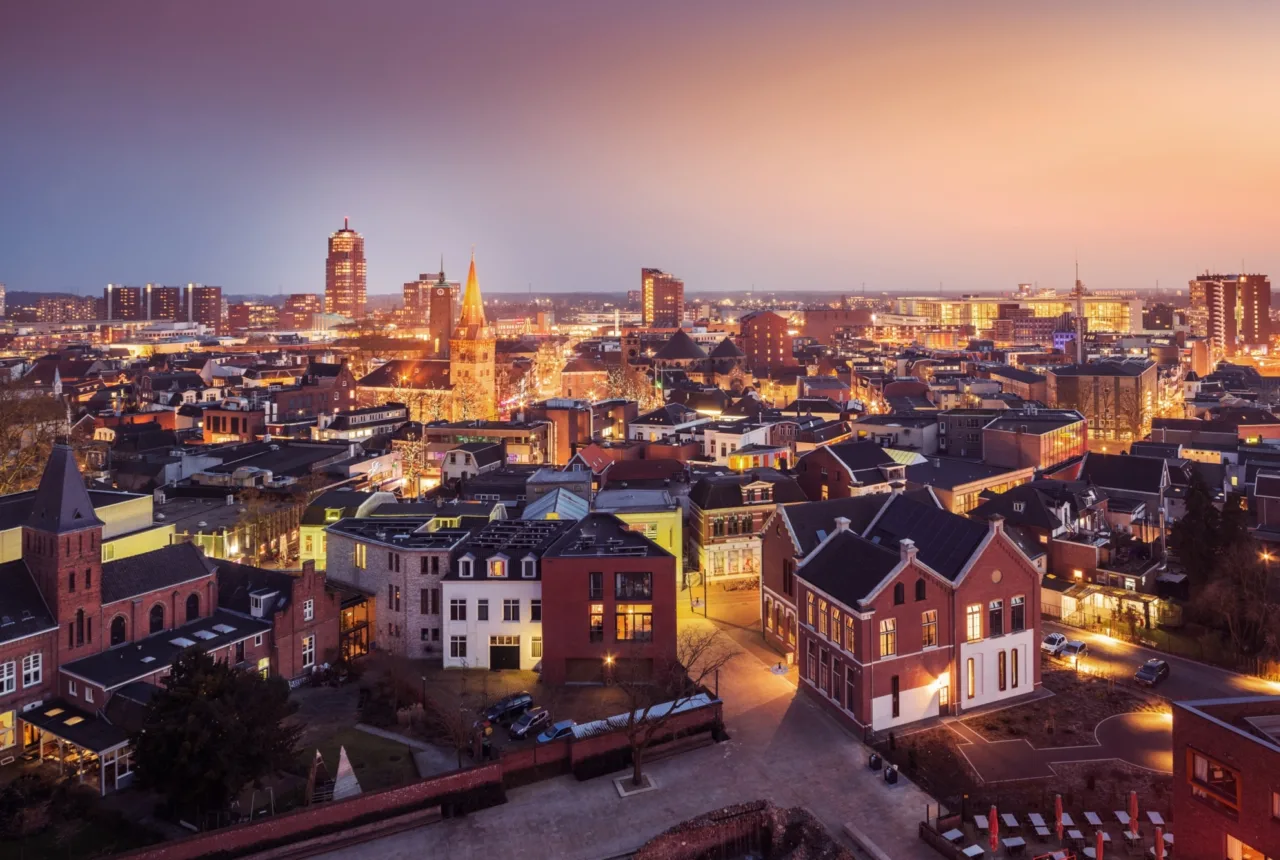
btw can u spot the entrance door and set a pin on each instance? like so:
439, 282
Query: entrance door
944, 700
503, 653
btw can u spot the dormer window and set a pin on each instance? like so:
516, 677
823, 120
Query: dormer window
332, 515
497, 567
464, 567
1019, 507
529, 568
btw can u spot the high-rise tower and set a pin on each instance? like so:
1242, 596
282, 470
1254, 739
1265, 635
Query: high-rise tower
345, 274
662, 299
471, 356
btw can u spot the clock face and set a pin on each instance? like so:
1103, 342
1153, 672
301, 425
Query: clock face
439, 292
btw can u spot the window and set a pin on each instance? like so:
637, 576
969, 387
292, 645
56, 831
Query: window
309, 608
811, 664
88, 695
464, 568
822, 617
8, 677
920, 589
633, 586
1002, 670
457, 609
595, 586
309, 544
424, 601
973, 622
537, 647
1213, 783
894, 687
972, 675
835, 625
849, 634
193, 607
32, 669
810, 608
1017, 614
257, 640
119, 631
71, 581
995, 617
529, 568
308, 651
888, 637
458, 647
899, 594
497, 567
511, 609
1013, 657
482, 610
535, 610
634, 622
362, 556
929, 628
1275, 804
597, 622
789, 577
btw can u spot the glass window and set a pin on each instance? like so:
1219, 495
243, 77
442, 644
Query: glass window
482, 610
995, 617
811, 608
920, 589
597, 622
822, 617
308, 609
850, 635
1013, 656
8, 677
595, 590
633, 586
537, 647
535, 610
971, 673
308, 651
835, 625
458, 647
929, 628
457, 609
32, 669
1002, 670
888, 637
899, 594
511, 609
362, 556
634, 622
1017, 614
973, 621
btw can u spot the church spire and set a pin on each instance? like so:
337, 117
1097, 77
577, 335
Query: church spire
61, 502
472, 305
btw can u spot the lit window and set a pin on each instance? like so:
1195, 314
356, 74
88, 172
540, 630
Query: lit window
308, 651
973, 622
32, 669
308, 609
888, 637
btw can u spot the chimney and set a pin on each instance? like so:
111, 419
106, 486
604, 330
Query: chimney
842, 524
907, 550
997, 523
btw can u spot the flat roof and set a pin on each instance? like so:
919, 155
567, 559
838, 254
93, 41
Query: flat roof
410, 533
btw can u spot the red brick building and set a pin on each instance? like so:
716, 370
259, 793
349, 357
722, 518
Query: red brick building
922, 613
608, 603
847, 469
766, 340
1226, 777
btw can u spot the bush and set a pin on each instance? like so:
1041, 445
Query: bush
605, 763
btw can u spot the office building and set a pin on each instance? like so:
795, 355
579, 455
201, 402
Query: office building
345, 274
300, 309
767, 340
57, 310
161, 303
1239, 309
122, 303
662, 299
1117, 399
1109, 313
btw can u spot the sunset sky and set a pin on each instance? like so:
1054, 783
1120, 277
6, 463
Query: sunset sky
791, 145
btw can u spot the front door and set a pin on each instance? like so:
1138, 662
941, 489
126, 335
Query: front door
944, 700
503, 655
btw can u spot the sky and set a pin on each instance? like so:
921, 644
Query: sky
809, 145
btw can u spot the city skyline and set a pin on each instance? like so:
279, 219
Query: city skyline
976, 147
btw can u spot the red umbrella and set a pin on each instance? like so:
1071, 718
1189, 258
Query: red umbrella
1133, 812
1057, 814
1159, 843
993, 824
1097, 844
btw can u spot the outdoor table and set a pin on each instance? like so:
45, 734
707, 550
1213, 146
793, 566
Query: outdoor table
1155, 817
1106, 837
1168, 837
1036, 819
1122, 817
1010, 820
980, 821
1131, 837
954, 835
1066, 820
1015, 844
1042, 832
973, 851
1093, 819
1075, 837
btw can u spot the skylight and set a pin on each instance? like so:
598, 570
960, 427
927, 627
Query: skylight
206, 634
224, 628
182, 642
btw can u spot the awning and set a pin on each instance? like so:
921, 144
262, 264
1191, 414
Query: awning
75, 726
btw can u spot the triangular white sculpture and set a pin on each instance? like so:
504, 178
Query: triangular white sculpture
345, 785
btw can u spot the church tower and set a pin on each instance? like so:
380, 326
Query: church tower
471, 356
62, 547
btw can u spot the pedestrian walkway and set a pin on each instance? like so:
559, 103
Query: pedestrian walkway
1144, 739
429, 758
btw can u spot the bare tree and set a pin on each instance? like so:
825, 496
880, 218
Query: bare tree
1240, 597
655, 699
30, 422
628, 386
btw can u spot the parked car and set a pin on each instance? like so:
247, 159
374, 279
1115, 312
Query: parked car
1074, 648
1152, 672
1053, 644
562, 729
508, 708
530, 722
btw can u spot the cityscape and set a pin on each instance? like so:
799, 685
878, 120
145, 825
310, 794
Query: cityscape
661, 500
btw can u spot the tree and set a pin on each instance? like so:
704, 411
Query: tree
629, 386
654, 699
1239, 597
1195, 537
30, 423
471, 401
211, 730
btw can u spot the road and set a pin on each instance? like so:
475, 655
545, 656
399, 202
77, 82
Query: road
1188, 680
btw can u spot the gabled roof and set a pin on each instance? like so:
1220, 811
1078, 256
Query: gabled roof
61, 503
238, 582
860, 455
423, 373
725, 491
727, 349
811, 522
151, 571
680, 347
23, 611
1025, 505
944, 541
669, 415
1123, 472
559, 504
346, 501
485, 453
847, 567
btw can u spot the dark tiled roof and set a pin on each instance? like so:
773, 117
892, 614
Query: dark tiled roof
861, 455
1103, 368
324, 369
811, 522
668, 415
584, 365
1026, 376
725, 491
944, 541
236, 582
347, 501
1036, 508
946, 472
1123, 472
61, 503
512, 538
149, 571
1267, 485
423, 373
1162, 450
680, 347
820, 405
727, 349
848, 568
483, 452
22, 608
603, 534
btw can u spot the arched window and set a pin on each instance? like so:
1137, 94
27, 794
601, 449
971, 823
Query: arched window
157, 618
920, 588
899, 594
193, 607
118, 630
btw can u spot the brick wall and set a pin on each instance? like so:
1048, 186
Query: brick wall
291, 626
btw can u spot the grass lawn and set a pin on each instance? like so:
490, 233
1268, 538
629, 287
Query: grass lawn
378, 762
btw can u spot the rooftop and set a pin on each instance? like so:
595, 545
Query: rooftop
949, 473
406, 533
604, 534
